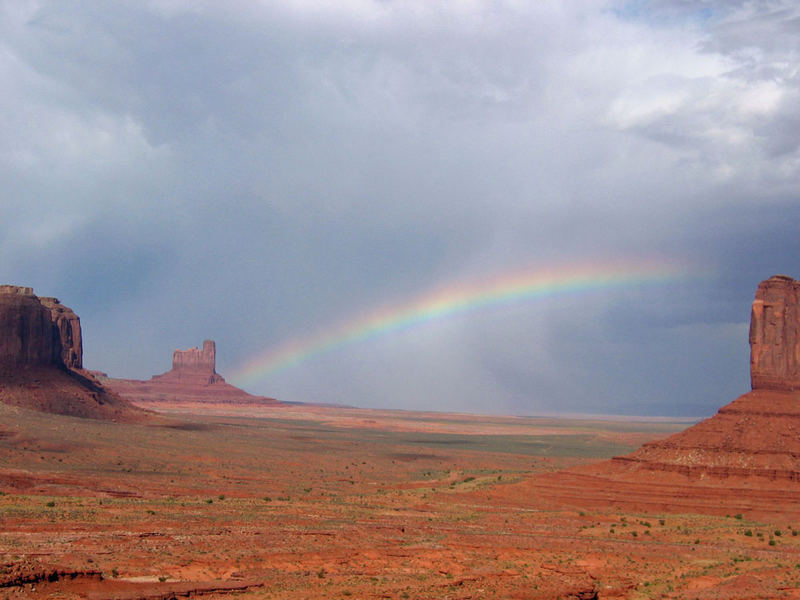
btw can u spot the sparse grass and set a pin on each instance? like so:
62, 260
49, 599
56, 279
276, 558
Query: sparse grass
391, 538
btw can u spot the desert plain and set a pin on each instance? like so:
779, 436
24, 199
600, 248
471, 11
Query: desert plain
292, 501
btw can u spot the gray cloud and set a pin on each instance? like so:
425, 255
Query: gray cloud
181, 170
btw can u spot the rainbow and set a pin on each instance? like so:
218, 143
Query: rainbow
457, 298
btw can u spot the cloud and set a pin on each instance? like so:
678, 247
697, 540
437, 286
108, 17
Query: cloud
181, 170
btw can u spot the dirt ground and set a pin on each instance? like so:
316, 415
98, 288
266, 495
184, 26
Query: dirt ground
321, 502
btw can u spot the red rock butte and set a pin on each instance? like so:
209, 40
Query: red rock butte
41, 360
194, 365
744, 459
775, 335
192, 379
38, 331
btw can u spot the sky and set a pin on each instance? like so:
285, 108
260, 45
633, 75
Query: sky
278, 175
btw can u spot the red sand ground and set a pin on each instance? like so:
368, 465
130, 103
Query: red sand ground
745, 459
312, 502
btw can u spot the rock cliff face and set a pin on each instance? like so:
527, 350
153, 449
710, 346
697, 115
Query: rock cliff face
38, 331
26, 334
196, 359
194, 365
68, 326
775, 335
41, 360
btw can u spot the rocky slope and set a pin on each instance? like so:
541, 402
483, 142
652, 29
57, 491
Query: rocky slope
41, 360
192, 379
746, 458
758, 434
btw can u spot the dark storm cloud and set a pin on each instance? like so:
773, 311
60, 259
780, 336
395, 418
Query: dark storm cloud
253, 172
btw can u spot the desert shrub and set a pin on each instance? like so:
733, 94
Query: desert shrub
738, 516
50, 504
748, 532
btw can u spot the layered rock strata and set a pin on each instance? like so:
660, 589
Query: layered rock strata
746, 458
758, 434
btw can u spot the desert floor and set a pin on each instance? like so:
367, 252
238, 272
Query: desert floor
322, 502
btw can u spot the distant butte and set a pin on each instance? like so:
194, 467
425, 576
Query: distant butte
196, 365
192, 379
41, 360
744, 459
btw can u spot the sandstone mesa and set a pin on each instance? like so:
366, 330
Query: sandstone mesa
41, 360
38, 331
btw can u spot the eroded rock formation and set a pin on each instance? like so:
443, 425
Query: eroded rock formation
38, 331
775, 335
746, 458
194, 365
68, 326
193, 378
756, 434
41, 360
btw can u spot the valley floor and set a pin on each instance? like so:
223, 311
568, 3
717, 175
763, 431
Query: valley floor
315, 502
